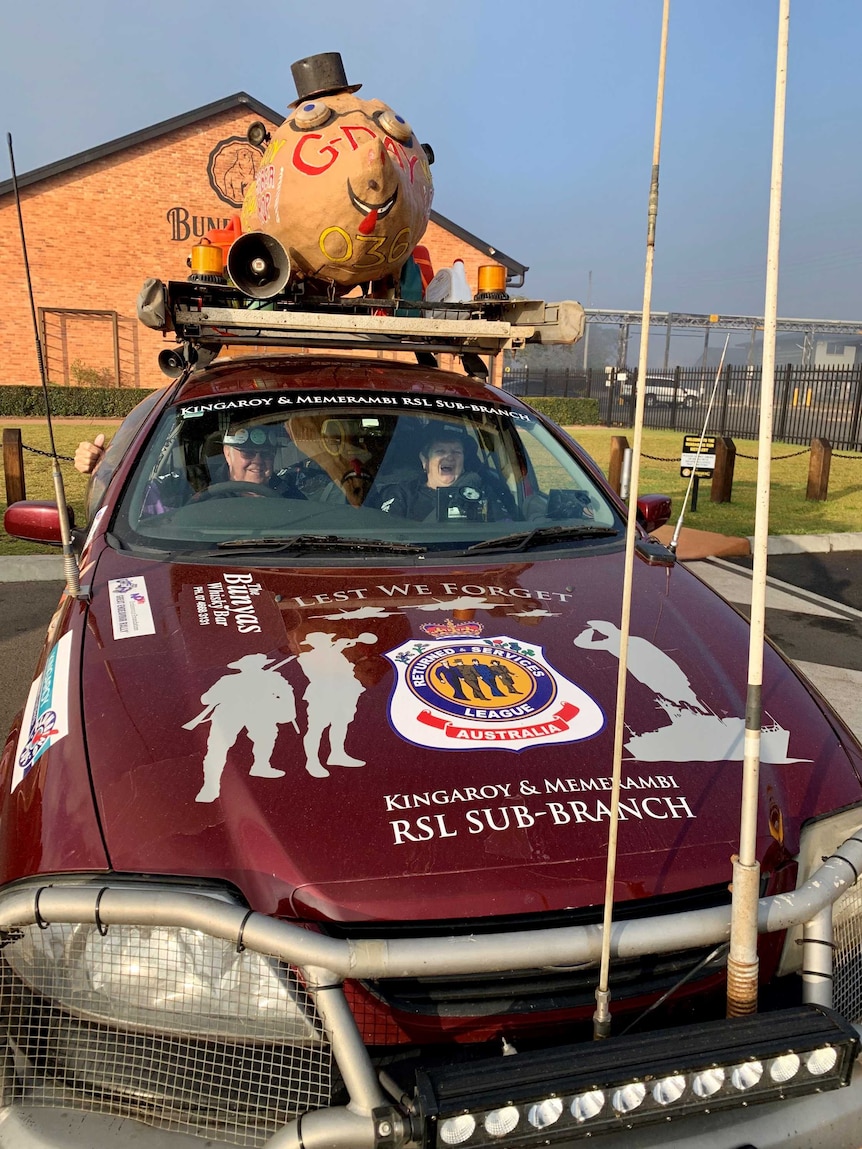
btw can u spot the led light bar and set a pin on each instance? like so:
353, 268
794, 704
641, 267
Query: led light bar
584, 1090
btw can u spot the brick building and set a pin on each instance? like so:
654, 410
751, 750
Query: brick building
100, 222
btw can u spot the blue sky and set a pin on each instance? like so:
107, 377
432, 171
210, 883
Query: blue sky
540, 114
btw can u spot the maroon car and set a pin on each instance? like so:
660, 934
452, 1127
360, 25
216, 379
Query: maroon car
306, 817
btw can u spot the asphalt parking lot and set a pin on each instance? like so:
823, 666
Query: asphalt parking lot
836, 576
813, 614
25, 610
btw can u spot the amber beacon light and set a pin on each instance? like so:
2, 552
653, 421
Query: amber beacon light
206, 259
492, 282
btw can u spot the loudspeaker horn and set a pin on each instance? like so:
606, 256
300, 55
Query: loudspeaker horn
171, 363
258, 265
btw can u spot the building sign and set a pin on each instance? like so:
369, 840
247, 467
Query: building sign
698, 454
232, 167
184, 225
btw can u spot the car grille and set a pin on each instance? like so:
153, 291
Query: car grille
226, 1089
539, 990
536, 991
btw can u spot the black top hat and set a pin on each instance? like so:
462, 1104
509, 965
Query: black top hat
320, 75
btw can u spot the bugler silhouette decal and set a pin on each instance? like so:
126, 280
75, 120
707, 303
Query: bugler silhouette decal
259, 700
694, 732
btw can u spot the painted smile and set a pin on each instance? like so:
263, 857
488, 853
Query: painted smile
381, 209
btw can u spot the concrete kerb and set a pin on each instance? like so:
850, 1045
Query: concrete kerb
47, 568
812, 544
31, 568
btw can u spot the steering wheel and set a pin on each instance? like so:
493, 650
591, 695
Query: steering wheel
235, 488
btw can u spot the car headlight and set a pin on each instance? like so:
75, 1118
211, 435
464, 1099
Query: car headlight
818, 840
161, 978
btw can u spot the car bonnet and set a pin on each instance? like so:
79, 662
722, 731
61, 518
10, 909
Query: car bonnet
377, 743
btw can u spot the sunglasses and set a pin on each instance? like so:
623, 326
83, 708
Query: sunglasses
256, 452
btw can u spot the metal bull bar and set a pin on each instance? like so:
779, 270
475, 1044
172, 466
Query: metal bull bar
325, 962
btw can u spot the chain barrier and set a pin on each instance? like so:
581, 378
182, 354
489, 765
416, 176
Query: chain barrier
776, 458
741, 455
47, 454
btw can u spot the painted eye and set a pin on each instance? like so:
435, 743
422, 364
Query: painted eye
395, 126
312, 114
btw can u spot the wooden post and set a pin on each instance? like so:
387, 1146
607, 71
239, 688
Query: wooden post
13, 465
619, 445
722, 476
818, 470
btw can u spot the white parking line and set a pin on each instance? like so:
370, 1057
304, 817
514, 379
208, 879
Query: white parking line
734, 584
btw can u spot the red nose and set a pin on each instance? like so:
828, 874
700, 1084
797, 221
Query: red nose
369, 223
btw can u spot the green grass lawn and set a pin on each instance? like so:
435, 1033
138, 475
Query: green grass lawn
38, 477
790, 513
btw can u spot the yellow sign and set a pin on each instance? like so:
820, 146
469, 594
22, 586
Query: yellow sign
698, 455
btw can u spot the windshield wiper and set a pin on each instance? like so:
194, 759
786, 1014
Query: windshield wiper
524, 540
319, 543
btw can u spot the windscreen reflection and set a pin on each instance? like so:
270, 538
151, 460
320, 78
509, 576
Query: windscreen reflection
224, 471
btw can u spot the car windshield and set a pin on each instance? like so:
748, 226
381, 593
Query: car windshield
396, 471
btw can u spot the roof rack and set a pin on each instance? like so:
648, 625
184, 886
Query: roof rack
218, 314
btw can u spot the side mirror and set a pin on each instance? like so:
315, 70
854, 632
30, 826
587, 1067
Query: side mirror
653, 511
37, 521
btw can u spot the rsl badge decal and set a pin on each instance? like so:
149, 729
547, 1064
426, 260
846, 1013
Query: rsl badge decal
488, 694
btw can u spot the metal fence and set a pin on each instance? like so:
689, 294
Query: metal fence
809, 402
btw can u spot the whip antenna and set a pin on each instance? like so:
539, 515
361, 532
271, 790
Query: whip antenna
743, 962
602, 1015
70, 565
674, 542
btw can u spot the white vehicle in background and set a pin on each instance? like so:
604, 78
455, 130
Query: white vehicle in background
660, 390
